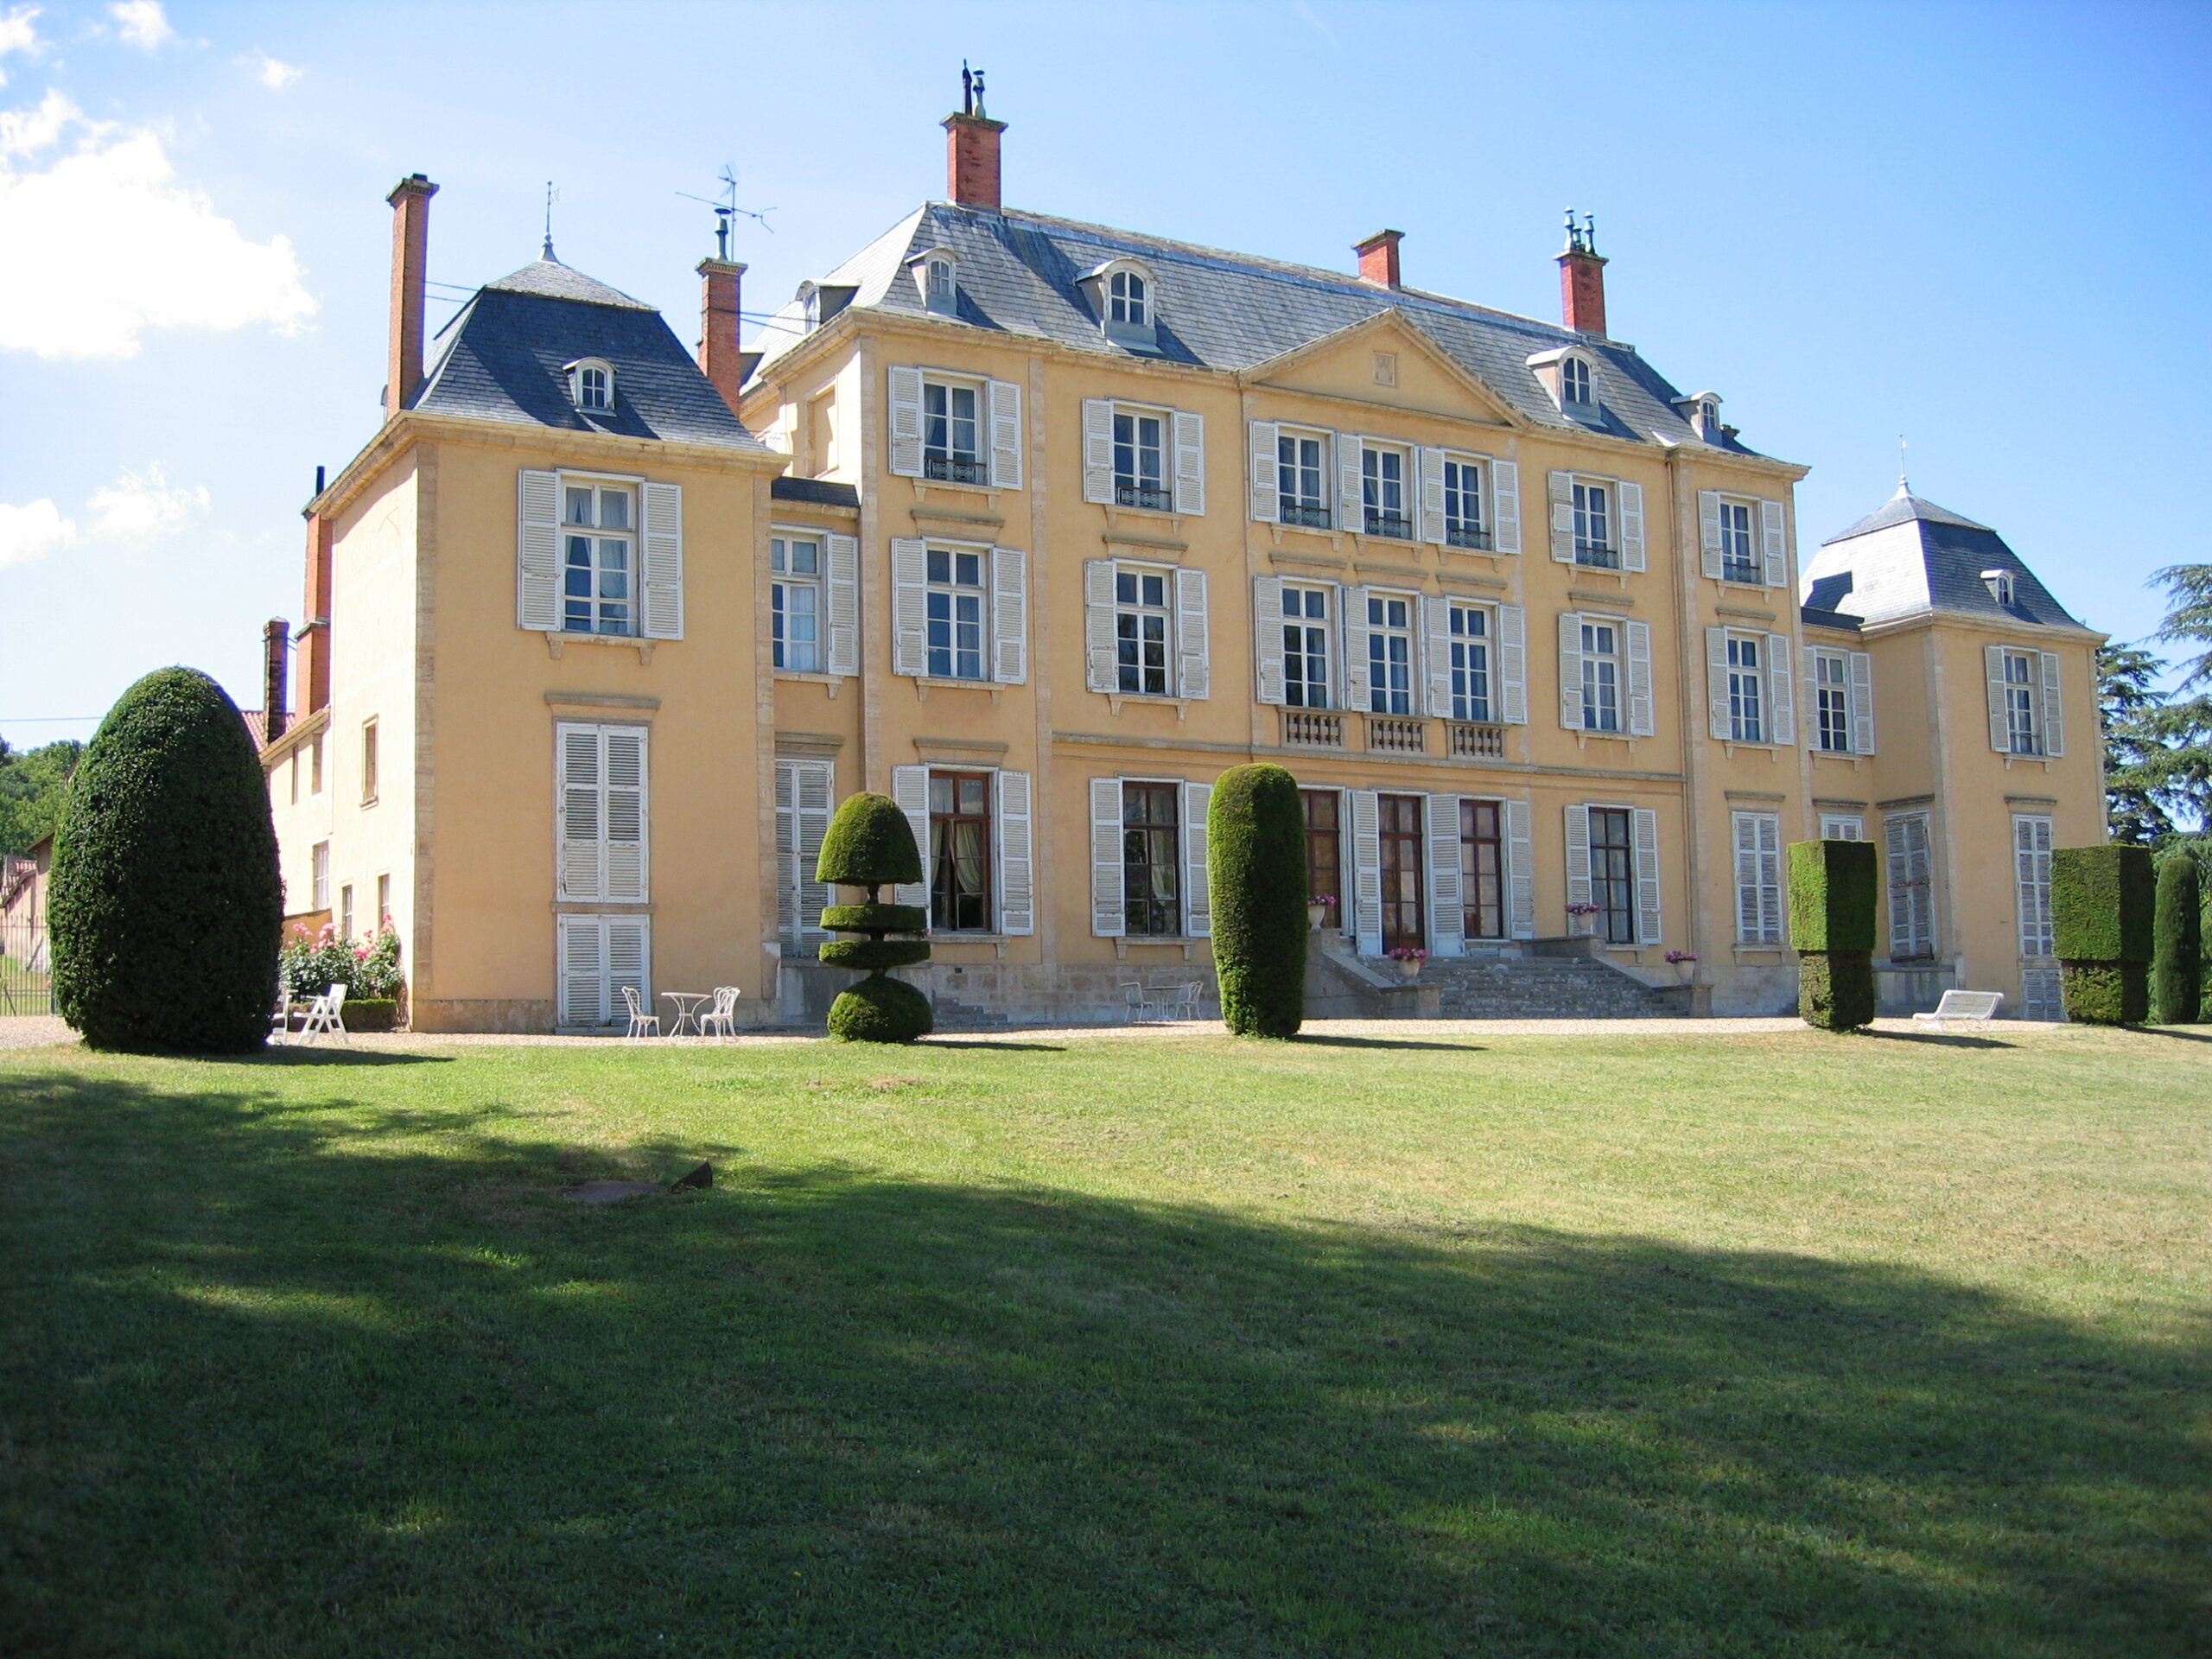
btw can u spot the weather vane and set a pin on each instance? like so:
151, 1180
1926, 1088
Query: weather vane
726, 210
971, 91
551, 196
1904, 483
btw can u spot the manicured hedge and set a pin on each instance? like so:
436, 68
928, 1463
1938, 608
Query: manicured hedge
866, 955
370, 1013
2101, 900
860, 918
1832, 888
166, 903
2177, 942
2105, 993
869, 843
1256, 871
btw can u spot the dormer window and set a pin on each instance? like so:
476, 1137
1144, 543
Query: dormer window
1574, 381
1126, 301
1565, 373
2000, 583
939, 287
591, 384
937, 275
1124, 298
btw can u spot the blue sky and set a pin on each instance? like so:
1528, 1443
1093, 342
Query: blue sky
1982, 227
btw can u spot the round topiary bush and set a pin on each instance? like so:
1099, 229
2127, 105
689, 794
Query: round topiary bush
2177, 941
869, 843
1255, 869
166, 901
879, 1010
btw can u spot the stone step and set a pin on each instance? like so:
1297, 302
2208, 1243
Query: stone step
1540, 987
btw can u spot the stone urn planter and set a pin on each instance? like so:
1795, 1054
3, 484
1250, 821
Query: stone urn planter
1318, 914
1409, 964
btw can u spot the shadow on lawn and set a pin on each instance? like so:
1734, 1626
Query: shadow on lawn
276, 1386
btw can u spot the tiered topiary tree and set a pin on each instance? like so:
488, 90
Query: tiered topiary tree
1255, 872
2101, 900
166, 902
1832, 930
2178, 941
869, 843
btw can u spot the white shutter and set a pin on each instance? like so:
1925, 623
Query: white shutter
1447, 918
907, 423
1578, 855
1266, 490
1993, 663
844, 653
1005, 434
1017, 881
1267, 636
1193, 674
1367, 871
1570, 670
1109, 908
1782, 703
626, 820
1431, 495
1642, 721
1716, 682
1009, 615
814, 791
1862, 703
1198, 896
910, 792
1098, 625
2054, 728
629, 961
583, 942
1098, 449
1561, 487
1352, 608
1512, 664
1631, 496
787, 924
1505, 506
538, 550
1520, 871
582, 806
1190, 463
1351, 486
910, 578
1708, 531
1649, 921
1436, 647
1774, 545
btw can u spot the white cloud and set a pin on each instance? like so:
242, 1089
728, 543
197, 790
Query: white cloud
142, 23
271, 73
16, 35
122, 248
139, 506
32, 532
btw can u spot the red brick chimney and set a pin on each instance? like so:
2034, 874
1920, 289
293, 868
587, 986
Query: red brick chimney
1582, 279
1378, 258
275, 676
410, 234
314, 632
971, 160
718, 309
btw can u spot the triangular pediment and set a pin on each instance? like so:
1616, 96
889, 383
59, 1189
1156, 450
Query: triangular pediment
1351, 363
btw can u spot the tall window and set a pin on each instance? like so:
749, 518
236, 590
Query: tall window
1470, 662
2021, 725
368, 763
1141, 622
1481, 869
1613, 873
1324, 849
1573, 381
600, 533
1298, 480
794, 602
1140, 480
1832, 699
1758, 878
956, 614
941, 295
1463, 504
318, 867
1593, 526
384, 902
1746, 691
1405, 887
949, 434
1739, 560
1127, 300
1151, 868
345, 913
1912, 897
2031, 869
960, 852
1383, 489
1306, 648
1390, 654
1601, 676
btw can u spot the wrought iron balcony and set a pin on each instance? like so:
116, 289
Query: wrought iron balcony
1604, 558
1465, 536
1389, 523
954, 471
1312, 518
1140, 495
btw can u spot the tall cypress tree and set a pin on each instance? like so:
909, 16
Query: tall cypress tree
1256, 873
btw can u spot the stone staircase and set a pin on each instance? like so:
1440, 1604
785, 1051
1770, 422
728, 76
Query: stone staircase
1543, 988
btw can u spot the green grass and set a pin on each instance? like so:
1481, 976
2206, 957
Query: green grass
1539, 1346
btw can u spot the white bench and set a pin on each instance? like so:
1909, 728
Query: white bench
1979, 1006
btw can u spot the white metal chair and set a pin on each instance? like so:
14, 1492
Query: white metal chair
1979, 1007
641, 1023
723, 1013
1181, 1001
327, 1014
1142, 1009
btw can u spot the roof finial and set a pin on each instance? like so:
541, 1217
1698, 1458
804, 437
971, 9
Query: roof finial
551, 196
1904, 484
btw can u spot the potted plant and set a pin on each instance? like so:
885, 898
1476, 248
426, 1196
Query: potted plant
1409, 958
1581, 920
1319, 909
1685, 962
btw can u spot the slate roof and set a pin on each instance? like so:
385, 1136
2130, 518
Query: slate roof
1018, 271
1911, 556
819, 491
504, 354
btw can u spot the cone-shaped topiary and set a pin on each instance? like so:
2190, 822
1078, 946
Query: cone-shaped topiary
166, 903
869, 842
1255, 868
1831, 929
2178, 941
2101, 900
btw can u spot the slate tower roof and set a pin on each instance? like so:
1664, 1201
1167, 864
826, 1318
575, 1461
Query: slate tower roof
1910, 557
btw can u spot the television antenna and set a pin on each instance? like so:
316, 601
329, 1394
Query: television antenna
725, 211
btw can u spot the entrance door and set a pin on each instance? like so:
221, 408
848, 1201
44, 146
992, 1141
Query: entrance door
1612, 873
1405, 924
1481, 869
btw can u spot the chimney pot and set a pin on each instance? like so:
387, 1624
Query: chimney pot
971, 160
1378, 258
719, 357
410, 230
275, 692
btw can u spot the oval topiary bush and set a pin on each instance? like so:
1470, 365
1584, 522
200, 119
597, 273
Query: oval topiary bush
1255, 868
869, 843
166, 899
879, 1010
2177, 941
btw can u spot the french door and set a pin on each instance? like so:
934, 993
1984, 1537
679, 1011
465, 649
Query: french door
1405, 921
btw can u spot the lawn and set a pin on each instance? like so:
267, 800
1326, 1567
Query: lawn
1761, 1345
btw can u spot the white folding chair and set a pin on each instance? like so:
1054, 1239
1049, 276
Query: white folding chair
327, 1014
724, 1013
641, 1023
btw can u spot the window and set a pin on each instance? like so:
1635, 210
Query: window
1325, 850
1613, 873
1913, 899
1593, 526
1470, 648
950, 433
1405, 889
956, 614
1141, 623
1140, 461
2000, 583
1758, 878
1574, 381
960, 852
794, 602
1740, 556
1390, 654
1305, 649
591, 384
368, 763
1383, 491
1842, 826
1481, 869
2024, 733
318, 864
1832, 700
939, 293
346, 911
1127, 302
1601, 676
1463, 504
1151, 865
1298, 480
314, 770
601, 956
602, 846
599, 543
1746, 691
384, 903
2031, 836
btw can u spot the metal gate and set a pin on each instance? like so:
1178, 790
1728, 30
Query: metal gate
26, 970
